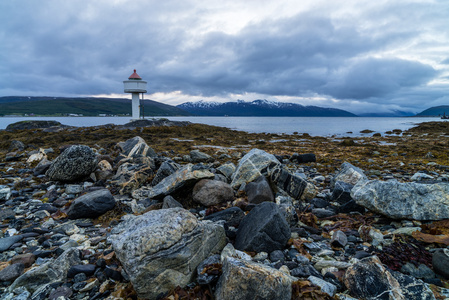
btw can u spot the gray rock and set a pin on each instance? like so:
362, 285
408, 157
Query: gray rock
5, 192
339, 239
16, 145
407, 200
131, 176
350, 174
264, 228
232, 216
246, 280
161, 249
294, 185
7, 242
52, 271
33, 124
136, 147
170, 202
440, 262
254, 164
212, 192
11, 272
369, 279
205, 278
259, 191
75, 163
342, 192
421, 272
227, 170
325, 286
197, 157
91, 205
166, 169
419, 176
184, 177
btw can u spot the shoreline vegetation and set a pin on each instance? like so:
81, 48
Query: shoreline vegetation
119, 212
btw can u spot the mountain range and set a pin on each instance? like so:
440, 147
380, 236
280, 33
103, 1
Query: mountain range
92, 106
260, 108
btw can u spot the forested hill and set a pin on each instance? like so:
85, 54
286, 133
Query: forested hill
61, 106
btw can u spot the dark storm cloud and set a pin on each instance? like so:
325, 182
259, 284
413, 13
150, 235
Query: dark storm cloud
88, 47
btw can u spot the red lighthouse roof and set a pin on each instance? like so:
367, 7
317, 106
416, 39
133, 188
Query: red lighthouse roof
134, 75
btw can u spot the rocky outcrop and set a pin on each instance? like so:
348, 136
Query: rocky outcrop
212, 192
161, 249
369, 279
185, 177
91, 205
22, 125
76, 162
407, 200
242, 280
198, 157
264, 228
254, 164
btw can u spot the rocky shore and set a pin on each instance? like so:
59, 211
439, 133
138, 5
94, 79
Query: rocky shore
173, 210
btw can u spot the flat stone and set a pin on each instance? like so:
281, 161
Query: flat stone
325, 286
7, 242
11, 272
91, 205
232, 216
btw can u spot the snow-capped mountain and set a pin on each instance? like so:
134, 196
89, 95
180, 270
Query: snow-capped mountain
264, 108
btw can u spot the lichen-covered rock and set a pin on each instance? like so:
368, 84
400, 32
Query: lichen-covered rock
264, 228
161, 249
350, 174
131, 176
184, 177
75, 163
254, 164
91, 205
243, 280
407, 200
369, 279
212, 192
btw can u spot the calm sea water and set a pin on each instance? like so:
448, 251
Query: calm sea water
316, 126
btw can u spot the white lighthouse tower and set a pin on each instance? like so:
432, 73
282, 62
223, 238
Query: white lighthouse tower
136, 86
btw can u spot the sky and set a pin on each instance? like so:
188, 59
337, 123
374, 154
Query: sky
358, 55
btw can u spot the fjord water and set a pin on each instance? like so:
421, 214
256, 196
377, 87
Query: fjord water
315, 126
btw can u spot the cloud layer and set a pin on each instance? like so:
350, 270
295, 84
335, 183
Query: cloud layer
355, 55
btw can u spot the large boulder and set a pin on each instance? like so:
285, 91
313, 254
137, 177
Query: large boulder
212, 192
76, 162
242, 280
369, 279
52, 271
185, 177
136, 147
264, 228
293, 184
408, 200
253, 165
33, 124
91, 205
161, 249
198, 156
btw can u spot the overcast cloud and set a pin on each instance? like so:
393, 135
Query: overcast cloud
362, 56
